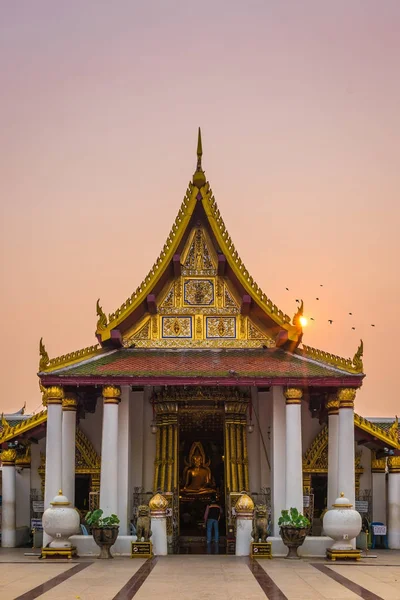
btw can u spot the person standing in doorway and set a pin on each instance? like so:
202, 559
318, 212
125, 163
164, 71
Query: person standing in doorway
211, 517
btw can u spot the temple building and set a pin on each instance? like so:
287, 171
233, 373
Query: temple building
199, 385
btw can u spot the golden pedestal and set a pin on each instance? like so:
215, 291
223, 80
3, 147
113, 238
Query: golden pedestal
333, 554
141, 550
59, 552
261, 550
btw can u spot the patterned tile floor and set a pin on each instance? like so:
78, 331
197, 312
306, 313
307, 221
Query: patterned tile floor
198, 577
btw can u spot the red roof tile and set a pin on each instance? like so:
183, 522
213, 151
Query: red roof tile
226, 363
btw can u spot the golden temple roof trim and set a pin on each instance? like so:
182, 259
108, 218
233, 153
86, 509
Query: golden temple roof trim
388, 436
71, 358
354, 365
9, 432
166, 254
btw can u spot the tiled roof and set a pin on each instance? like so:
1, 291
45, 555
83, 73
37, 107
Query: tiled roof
240, 363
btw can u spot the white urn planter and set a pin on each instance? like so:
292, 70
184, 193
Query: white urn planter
60, 521
342, 523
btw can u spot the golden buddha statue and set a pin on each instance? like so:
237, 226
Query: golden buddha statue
197, 478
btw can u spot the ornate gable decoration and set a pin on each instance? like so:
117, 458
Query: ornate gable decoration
315, 460
199, 259
198, 308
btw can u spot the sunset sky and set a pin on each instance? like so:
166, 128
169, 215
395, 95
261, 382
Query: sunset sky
299, 107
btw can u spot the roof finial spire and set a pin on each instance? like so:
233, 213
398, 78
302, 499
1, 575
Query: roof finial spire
199, 179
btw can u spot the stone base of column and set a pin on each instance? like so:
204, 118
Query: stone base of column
159, 536
244, 526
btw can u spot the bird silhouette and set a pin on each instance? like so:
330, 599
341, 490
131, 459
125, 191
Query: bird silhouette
317, 298
321, 285
353, 327
330, 321
350, 313
297, 300
287, 289
312, 319
372, 325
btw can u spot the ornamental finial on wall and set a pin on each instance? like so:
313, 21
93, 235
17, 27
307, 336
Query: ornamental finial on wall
357, 358
44, 357
102, 320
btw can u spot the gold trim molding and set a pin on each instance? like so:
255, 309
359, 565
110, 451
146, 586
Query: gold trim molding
8, 457
111, 394
293, 395
346, 397
354, 365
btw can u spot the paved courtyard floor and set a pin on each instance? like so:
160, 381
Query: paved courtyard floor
198, 577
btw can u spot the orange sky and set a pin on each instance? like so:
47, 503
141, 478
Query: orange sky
299, 108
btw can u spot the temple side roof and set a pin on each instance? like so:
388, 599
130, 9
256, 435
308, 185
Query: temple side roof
10, 430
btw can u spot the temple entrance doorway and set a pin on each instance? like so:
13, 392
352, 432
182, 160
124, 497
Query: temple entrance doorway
201, 474
82, 489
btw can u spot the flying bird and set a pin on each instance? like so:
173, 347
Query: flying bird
372, 325
287, 289
321, 285
353, 327
312, 319
330, 321
350, 313
297, 300
317, 298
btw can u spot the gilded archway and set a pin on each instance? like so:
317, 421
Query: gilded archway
315, 461
87, 462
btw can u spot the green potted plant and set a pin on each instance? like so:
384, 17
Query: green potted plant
104, 531
293, 527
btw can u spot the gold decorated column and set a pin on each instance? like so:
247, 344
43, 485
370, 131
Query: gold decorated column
233, 458
239, 452
245, 459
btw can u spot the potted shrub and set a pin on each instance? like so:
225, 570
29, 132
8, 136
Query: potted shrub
104, 531
293, 529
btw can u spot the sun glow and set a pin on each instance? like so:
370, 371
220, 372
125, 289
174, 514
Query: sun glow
303, 321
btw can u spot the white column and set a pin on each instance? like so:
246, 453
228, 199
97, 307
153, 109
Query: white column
244, 509
346, 473
333, 450
379, 506
109, 451
53, 473
394, 503
158, 512
294, 461
69, 407
8, 521
278, 456
124, 464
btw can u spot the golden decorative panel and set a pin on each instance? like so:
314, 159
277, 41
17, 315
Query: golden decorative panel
176, 327
254, 333
143, 333
198, 259
229, 299
169, 300
220, 327
198, 292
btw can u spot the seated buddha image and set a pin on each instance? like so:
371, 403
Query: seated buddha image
197, 477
